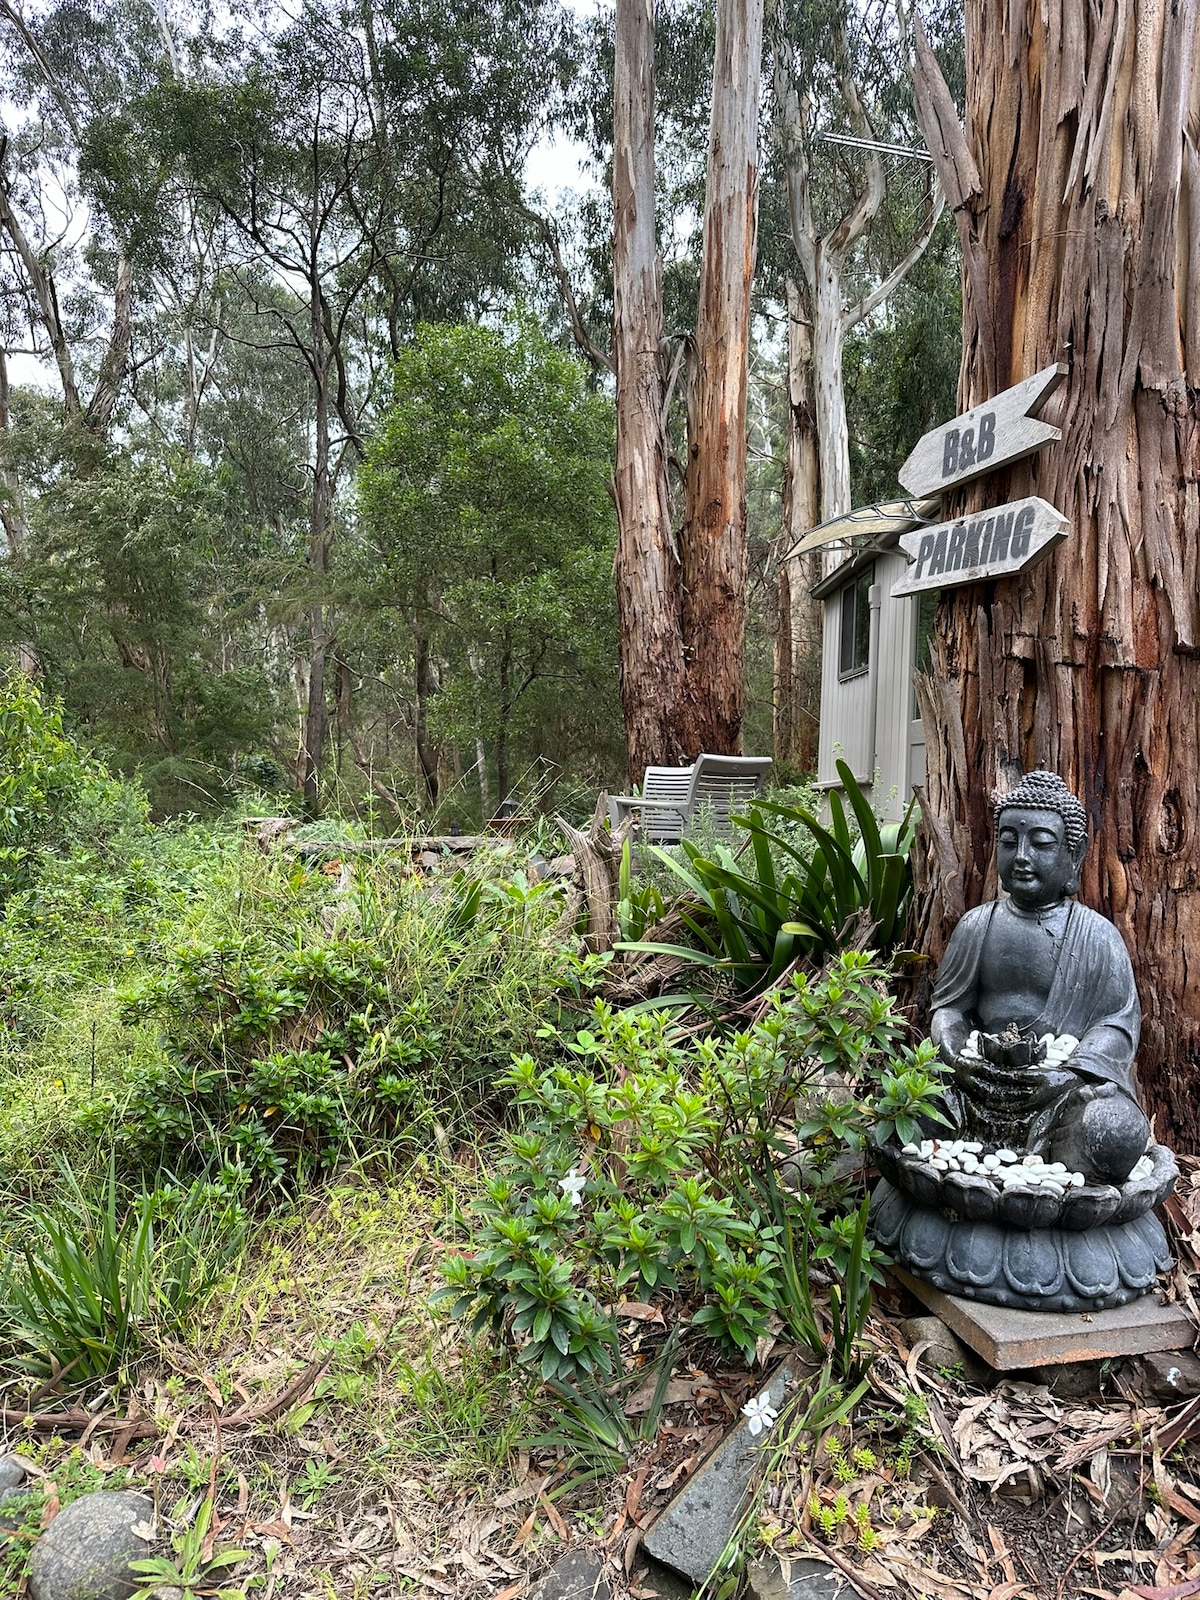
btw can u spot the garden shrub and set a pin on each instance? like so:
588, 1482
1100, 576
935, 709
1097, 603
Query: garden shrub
41, 776
274, 1061
646, 1165
286, 1049
791, 892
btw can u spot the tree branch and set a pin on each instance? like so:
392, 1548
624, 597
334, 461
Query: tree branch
865, 207
883, 291
41, 282
599, 360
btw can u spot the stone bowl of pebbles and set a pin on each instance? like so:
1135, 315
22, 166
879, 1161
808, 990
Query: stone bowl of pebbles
965, 1178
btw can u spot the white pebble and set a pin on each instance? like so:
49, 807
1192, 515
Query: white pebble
991, 1162
1006, 1155
1077, 1180
972, 1148
939, 1164
911, 1150
1052, 1186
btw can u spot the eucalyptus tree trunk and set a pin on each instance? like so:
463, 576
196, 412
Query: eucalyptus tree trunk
647, 568
714, 532
798, 621
1076, 187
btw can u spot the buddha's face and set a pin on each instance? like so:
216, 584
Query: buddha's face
1033, 859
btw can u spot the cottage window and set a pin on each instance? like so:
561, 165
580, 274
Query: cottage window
854, 655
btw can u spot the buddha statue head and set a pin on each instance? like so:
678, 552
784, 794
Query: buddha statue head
1041, 840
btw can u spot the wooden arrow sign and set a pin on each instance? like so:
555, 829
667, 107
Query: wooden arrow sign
993, 544
981, 440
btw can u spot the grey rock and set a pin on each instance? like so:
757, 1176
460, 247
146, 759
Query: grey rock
692, 1533
1074, 1381
14, 1505
944, 1349
12, 1473
802, 1579
663, 1581
579, 1575
1172, 1375
85, 1552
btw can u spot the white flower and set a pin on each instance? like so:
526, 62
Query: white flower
573, 1185
759, 1413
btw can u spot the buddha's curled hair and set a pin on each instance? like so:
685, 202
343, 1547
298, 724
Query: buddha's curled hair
1045, 791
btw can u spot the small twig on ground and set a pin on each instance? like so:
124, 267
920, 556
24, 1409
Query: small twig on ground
946, 1486
864, 1585
76, 1421
249, 1415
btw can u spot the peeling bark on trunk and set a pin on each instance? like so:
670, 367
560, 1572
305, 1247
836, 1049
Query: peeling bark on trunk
714, 535
115, 365
1076, 188
647, 566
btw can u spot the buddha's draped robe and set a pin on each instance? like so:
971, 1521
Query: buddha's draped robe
1092, 996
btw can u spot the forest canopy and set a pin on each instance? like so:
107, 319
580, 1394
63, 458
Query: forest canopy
305, 385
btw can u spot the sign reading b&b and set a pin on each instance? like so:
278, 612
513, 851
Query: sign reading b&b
999, 431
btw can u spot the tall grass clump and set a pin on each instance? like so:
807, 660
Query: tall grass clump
95, 1273
177, 996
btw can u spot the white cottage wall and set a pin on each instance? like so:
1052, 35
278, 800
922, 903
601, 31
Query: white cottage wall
846, 733
867, 720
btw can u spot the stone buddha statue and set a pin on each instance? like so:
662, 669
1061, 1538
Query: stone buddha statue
1043, 990
1040, 1193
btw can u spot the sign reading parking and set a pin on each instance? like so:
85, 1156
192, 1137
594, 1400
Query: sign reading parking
993, 544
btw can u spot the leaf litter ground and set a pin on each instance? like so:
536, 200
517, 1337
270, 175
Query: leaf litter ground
355, 1445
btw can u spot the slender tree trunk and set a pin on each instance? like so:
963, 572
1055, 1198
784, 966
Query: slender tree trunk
647, 567
427, 759
829, 392
798, 620
11, 516
481, 765
502, 730
1076, 188
312, 748
714, 534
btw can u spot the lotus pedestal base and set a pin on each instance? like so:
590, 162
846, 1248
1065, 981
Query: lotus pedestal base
1036, 1269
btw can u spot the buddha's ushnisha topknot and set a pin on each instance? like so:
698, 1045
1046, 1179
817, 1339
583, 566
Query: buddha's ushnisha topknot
1045, 791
